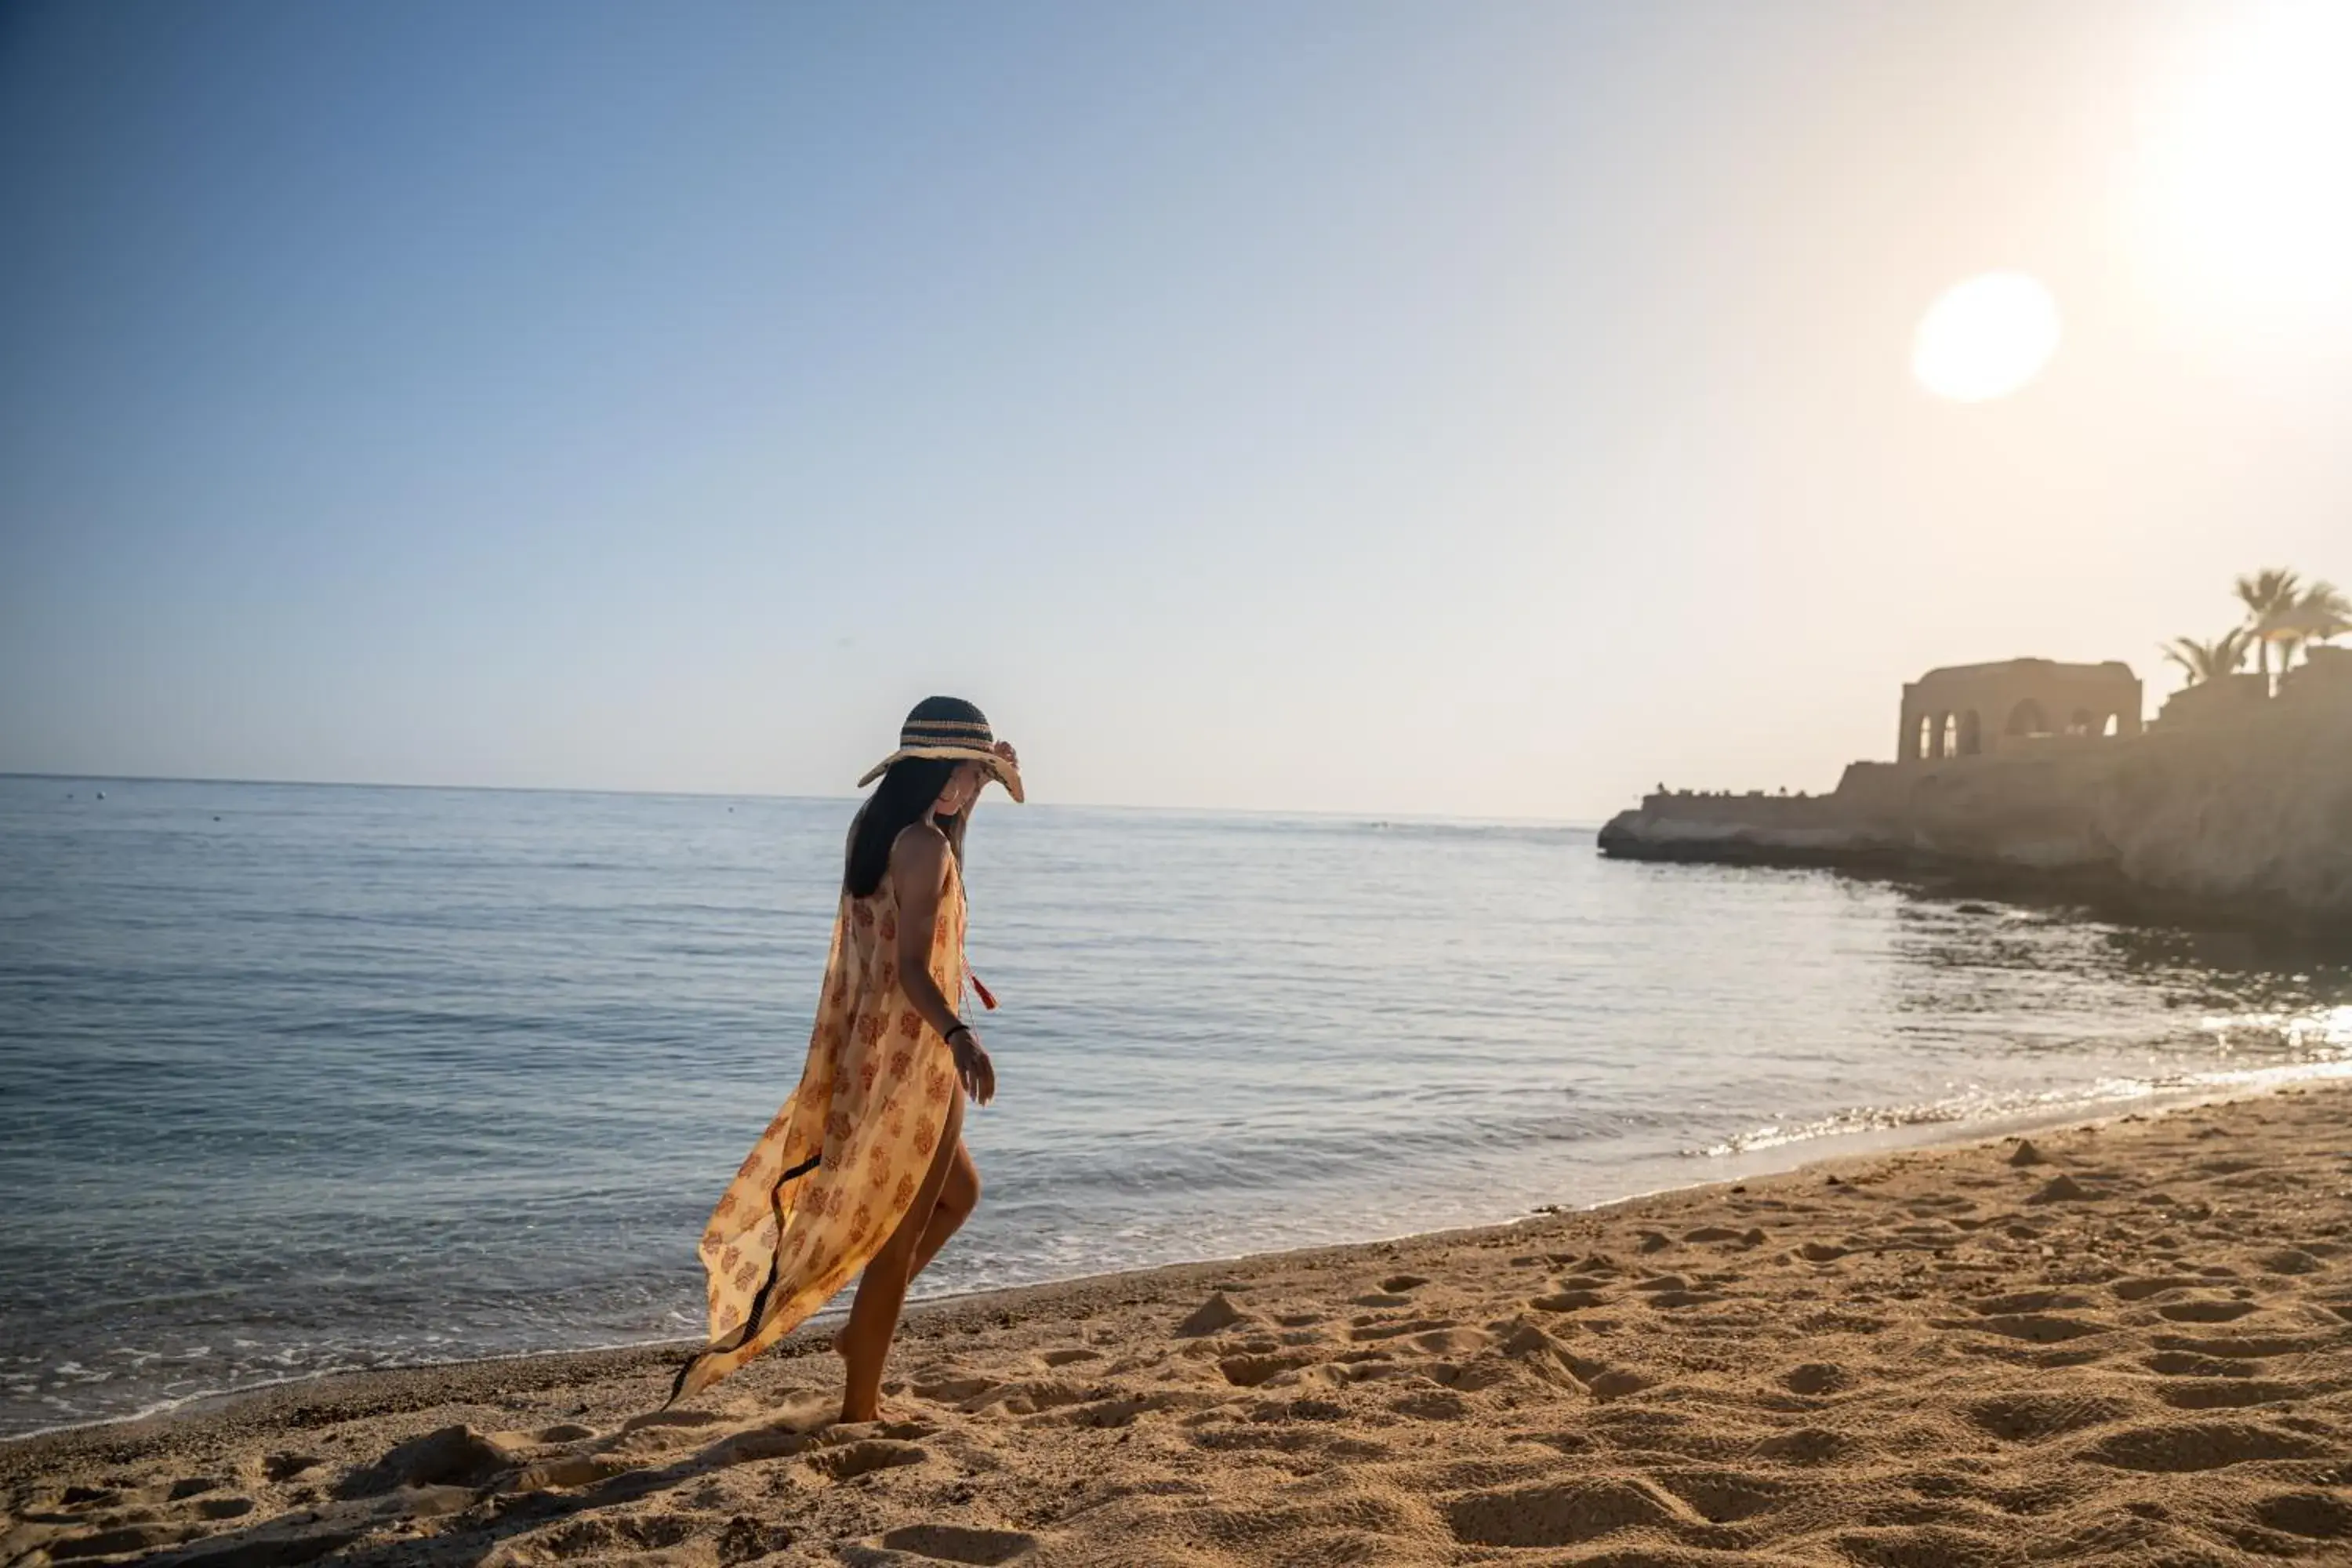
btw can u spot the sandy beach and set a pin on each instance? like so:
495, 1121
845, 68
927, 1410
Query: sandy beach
2128, 1341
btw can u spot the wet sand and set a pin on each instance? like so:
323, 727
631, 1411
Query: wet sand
2124, 1343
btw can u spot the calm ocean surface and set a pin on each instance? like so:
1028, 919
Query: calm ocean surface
295, 1079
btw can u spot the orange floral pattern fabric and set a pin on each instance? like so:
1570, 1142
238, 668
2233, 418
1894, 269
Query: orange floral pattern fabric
872, 1101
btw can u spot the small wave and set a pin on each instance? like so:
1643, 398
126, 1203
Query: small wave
2322, 1030
2056, 1103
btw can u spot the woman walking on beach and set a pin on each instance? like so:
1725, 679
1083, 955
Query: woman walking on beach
865, 1167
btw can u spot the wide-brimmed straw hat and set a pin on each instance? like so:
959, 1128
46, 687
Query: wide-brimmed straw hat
945, 728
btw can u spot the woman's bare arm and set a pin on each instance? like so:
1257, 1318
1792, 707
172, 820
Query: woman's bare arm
918, 872
919, 865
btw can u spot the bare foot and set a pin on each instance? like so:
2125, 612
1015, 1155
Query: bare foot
881, 1412
851, 1416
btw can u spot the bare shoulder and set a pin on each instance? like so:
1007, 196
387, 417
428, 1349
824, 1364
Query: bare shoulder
918, 857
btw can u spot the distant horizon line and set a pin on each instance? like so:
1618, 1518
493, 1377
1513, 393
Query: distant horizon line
753, 795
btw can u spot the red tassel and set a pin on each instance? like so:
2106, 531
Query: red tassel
986, 1000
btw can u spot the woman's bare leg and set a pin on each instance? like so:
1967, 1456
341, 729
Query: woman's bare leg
958, 1198
864, 1341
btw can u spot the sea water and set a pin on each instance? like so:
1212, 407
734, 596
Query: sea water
296, 1080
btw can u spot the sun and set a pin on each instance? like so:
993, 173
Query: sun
2239, 189
1985, 338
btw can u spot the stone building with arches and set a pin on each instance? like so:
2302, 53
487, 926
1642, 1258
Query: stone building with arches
1970, 709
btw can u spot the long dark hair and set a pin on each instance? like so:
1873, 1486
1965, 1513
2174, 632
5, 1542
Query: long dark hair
904, 797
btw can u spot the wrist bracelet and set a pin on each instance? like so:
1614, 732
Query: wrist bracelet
958, 1027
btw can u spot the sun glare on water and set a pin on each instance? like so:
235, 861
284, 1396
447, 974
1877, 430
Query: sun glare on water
1985, 338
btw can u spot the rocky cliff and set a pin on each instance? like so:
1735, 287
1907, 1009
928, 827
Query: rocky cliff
2246, 815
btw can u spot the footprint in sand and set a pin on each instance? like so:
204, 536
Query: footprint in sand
1806, 1446
566, 1471
1617, 1382
959, 1543
1814, 1377
945, 1388
2034, 1415
851, 1460
2032, 1301
2317, 1515
1725, 1496
563, 1432
2184, 1445
2289, 1260
1249, 1371
2229, 1392
117, 1541
1369, 1332
1559, 1513
1568, 1301
2032, 1328
2188, 1364
1028, 1396
1666, 1300
2259, 1347
2205, 1312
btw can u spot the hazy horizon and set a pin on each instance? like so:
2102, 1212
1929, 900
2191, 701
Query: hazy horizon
1375, 409
848, 799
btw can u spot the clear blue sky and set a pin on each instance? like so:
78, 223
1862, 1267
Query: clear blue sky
1485, 409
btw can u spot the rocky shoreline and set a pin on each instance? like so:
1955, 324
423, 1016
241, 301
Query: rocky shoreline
2246, 820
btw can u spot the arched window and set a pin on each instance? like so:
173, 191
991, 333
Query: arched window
2026, 718
2080, 723
2114, 725
1927, 737
1951, 734
1972, 734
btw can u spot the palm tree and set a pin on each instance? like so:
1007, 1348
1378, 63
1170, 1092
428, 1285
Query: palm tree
2320, 613
2267, 594
2325, 612
2210, 660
